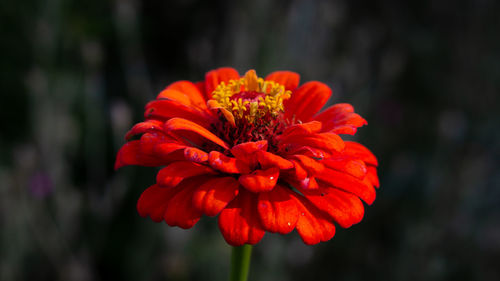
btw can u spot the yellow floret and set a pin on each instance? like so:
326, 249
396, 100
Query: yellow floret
270, 103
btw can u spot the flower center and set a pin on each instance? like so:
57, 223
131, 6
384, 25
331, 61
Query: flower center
249, 98
252, 107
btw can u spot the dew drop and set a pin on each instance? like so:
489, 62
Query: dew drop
302, 214
271, 178
289, 223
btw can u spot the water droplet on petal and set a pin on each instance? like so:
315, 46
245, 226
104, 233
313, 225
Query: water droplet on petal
302, 214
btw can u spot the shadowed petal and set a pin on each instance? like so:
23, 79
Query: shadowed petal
166, 109
153, 202
313, 226
195, 155
227, 164
288, 79
341, 119
176, 172
131, 154
260, 180
345, 208
349, 183
212, 196
354, 167
239, 222
179, 124
277, 210
189, 89
215, 77
357, 150
145, 127
180, 211
307, 100
268, 160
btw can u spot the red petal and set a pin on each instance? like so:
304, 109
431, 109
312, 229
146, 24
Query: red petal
260, 180
215, 194
278, 211
239, 221
345, 208
166, 109
165, 149
195, 155
301, 129
180, 211
268, 160
145, 127
176, 172
340, 119
354, 167
306, 101
131, 154
313, 226
176, 124
298, 171
329, 142
227, 164
349, 183
190, 90
357, 150
153, 202
311, 165
215, 77
246, 151
371, 175
288, 79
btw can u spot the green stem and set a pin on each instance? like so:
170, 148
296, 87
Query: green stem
240, 262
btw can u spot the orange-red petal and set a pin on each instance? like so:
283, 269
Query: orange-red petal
313, 226
239, 222
145, 127
268, 159
306, 101
166, 109
260, 180
357, 150
340, 119
176, 172
371, 175
227, 164
277, 210
180, 211
153, 202
328, 142
246, 152
131, 154
195, 155
189, 89
212, 196
345, 208
349, 183
354, 167
215, 77
288, 79
180, 124
308, 128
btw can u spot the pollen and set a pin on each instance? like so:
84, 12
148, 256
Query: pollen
249, 98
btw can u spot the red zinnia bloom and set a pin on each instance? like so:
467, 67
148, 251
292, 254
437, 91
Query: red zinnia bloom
255, 152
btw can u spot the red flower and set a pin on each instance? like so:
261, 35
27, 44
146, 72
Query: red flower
255, 152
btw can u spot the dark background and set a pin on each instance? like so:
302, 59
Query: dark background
75, 76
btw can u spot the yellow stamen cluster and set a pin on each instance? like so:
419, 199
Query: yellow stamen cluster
270, 100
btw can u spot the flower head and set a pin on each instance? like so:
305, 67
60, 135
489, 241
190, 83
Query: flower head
255, 152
